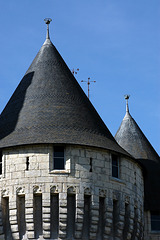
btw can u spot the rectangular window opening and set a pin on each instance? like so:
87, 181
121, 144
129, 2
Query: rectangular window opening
21, 216
5, 219
86, 219
115, 216
115, 166
71, 206
155, 221
101, 224
54, 215
58, 158
37, 215
27, 163
90, 165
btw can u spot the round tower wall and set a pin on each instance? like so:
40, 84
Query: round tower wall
82, 201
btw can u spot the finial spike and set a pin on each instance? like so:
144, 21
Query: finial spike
47, 21
127, 107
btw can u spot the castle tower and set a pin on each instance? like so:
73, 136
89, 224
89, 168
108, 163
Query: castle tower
63, 175
132, 139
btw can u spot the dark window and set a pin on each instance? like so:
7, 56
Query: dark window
70, 216
21, 216
0, 162
58, 158
86, 217
5, 218
37, 215
27, 163
115, 217
101, 223
155, 221
54, 215
115, 166
90, 165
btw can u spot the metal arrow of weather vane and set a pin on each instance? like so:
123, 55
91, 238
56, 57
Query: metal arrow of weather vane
74, 72
88, 83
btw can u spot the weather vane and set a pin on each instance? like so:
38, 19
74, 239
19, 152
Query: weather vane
75, 71
88, 83
47, 21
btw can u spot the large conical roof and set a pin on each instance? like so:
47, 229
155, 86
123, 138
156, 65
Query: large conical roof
49, 106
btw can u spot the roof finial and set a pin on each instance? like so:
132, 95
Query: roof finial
47, 21
127, 97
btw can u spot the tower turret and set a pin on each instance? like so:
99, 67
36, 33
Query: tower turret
62, 173
132, 139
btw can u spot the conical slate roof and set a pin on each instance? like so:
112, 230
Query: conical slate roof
131, 138
49, 106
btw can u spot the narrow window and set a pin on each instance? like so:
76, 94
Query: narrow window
115, 166
5, 219
54, 215
70, 216
21, 216
155, 221
37, 214
101, 224
115, 216
90, 165
27, 163
1, 162
58, 157
86, 219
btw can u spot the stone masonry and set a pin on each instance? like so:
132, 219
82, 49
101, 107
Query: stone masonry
112, 206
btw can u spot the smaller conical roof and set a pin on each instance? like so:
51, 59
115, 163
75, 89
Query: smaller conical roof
132, 139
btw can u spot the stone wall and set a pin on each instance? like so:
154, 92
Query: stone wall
37, 202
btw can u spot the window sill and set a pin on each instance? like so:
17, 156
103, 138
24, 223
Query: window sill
60, 171
117, 180
155, 232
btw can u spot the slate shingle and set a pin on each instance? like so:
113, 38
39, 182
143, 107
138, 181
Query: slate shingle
49, 106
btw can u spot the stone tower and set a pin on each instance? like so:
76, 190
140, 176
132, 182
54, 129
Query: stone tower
133, 140
63, 175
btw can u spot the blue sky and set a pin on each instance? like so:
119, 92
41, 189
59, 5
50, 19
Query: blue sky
114, 42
